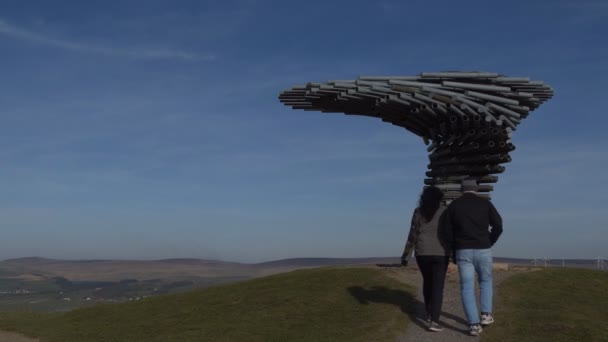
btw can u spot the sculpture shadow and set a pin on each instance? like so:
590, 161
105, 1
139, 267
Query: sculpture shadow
406, 302
380, 294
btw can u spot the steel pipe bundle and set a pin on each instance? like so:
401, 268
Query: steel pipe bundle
466, 119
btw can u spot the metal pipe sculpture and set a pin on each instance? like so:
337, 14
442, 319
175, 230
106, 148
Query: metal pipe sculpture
465, 118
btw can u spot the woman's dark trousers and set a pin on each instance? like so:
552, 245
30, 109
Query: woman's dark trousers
433, 269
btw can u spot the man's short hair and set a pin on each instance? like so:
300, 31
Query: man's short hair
469, 185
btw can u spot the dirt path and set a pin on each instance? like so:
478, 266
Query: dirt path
452, 319
14, 337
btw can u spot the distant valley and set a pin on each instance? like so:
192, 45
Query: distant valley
42, 284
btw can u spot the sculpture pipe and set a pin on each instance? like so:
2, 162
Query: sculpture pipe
455, 109
433, 103
469, 103
325, 91
388, 78
496, 149
427, 99
360, 94
468, 110
442, 98
487, 179
385, 90
372, 92
414, 84
503, 110
483, 87
370, 83
437, 155
463, 170
511, 80
446, 143
350, 97
446, 187
523, 110
476, 120
491, 97
432, 146
519, 94
410, 98
453, 123
460, 74
485, 188
453, 195
394, 98
476, 159
441, 92
490, 118
429, 110
468, 136
345, 85
506, 121
465, 121
470, 147
439, 107
458, 179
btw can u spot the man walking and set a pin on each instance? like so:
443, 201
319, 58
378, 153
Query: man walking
465, 226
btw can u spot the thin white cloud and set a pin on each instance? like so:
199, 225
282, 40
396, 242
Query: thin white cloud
15, 32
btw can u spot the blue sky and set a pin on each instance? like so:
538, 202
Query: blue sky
152, 129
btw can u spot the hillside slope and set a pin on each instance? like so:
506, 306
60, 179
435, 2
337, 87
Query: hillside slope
326, 304
552, 305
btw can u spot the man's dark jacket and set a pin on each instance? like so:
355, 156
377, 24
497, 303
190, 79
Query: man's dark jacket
465, 223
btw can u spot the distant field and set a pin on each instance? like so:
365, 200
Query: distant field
59, 294
552, 305
326, 304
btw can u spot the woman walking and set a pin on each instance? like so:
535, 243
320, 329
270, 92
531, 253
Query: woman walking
432, 253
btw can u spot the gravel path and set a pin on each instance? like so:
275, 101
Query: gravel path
452, 318
13, 337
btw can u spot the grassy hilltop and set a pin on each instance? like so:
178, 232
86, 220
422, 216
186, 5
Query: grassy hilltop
325, 304
552, 305
330, 304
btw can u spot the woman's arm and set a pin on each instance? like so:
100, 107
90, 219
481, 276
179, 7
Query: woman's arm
412, 238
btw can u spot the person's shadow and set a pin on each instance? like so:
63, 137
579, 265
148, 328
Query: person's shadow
408, 304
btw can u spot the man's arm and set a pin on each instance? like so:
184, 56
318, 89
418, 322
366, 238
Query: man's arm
496, 223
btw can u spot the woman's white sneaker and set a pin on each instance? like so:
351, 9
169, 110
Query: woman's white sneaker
435, 327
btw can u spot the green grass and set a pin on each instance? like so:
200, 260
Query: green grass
326, 304
554, 305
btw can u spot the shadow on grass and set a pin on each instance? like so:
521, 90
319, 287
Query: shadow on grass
408, 304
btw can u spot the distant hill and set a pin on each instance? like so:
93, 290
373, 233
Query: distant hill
316, 262
30, 260
115, 270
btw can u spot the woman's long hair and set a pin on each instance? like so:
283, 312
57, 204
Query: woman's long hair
430, 199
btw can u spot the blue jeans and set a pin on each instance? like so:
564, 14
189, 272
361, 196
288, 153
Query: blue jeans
471, 261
